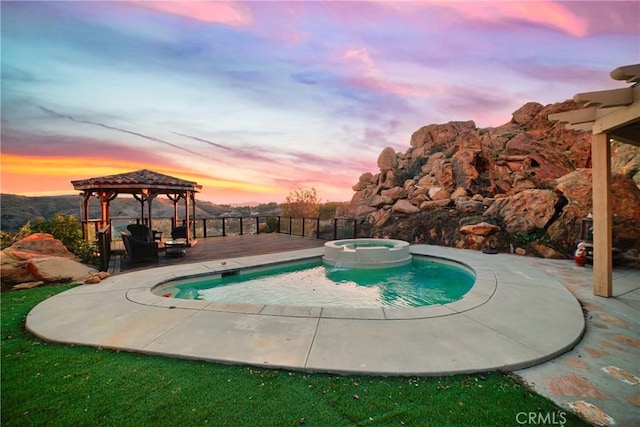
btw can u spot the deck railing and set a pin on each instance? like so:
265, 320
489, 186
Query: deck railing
328, 229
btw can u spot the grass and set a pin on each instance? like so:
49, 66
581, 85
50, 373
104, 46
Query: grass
53, 384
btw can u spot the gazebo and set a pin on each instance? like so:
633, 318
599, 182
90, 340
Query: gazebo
608, 115
144, 185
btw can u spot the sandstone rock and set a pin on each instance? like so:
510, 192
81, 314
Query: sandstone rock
38, 245
387, 159
626, 160
403, 206
473, 241
521, 251
92, 280
379, 200
527, 211
576, 188
471, 206
427, 181
488, 201
58, 270
380, 217
546, 252
464, 169
480, 229
458, 192
361, 211
434, 160
103, 275
15, 273
418, 199
477, 198
430, 205
394, 193
28, 285
525, 114
365, 180
362, 197
438, 193
12, 269
438, 137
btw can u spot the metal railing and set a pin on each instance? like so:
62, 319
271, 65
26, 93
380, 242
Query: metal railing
326, 229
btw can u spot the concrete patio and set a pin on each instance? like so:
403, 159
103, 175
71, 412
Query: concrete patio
519, 315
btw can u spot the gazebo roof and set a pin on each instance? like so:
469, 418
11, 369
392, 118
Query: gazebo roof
136, 181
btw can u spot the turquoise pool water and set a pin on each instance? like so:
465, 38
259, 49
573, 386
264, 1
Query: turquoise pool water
425, 281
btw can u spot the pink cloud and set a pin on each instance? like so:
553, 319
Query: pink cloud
545, 13
226, 13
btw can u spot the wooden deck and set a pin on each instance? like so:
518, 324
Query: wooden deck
212, 248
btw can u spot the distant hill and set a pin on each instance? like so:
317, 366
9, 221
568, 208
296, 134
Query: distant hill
17, 210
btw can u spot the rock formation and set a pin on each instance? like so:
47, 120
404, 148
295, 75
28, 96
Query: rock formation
40, 258
524, 183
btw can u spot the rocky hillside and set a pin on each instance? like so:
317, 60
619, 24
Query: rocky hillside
523, 185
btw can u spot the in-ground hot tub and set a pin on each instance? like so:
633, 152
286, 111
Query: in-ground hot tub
366, 253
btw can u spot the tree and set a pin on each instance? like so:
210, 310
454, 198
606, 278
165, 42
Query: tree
301, 203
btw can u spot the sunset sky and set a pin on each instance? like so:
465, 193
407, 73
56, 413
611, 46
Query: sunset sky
255, 99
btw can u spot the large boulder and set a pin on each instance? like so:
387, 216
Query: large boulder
479, 229
404, 206
387, 159
38, 245
41, 258
527, 211
58, 270
576, 189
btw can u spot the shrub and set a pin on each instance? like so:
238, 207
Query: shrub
538, 236
301, 203
65, 228
271, 225
411, 170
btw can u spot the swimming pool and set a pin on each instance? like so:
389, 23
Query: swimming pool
425, 281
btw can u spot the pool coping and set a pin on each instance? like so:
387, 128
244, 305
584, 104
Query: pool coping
515, 316
480, 293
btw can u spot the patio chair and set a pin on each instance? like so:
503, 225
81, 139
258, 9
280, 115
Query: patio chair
139, 250
179, 232
140, 232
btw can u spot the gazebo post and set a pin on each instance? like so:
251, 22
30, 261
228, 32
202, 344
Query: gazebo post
86, 195
187, 198
602, 215
105, 198
193, 204
149, 201
141, 198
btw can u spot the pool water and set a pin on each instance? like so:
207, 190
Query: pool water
423, 282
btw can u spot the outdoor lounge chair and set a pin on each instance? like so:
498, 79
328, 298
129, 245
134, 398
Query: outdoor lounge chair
179, 232
139, 250
140, 232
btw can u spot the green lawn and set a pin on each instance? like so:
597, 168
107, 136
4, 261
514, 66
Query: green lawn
53, 384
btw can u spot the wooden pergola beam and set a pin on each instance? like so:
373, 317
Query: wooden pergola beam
606, 98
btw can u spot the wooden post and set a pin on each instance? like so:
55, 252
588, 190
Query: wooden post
187, 199
602, 215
